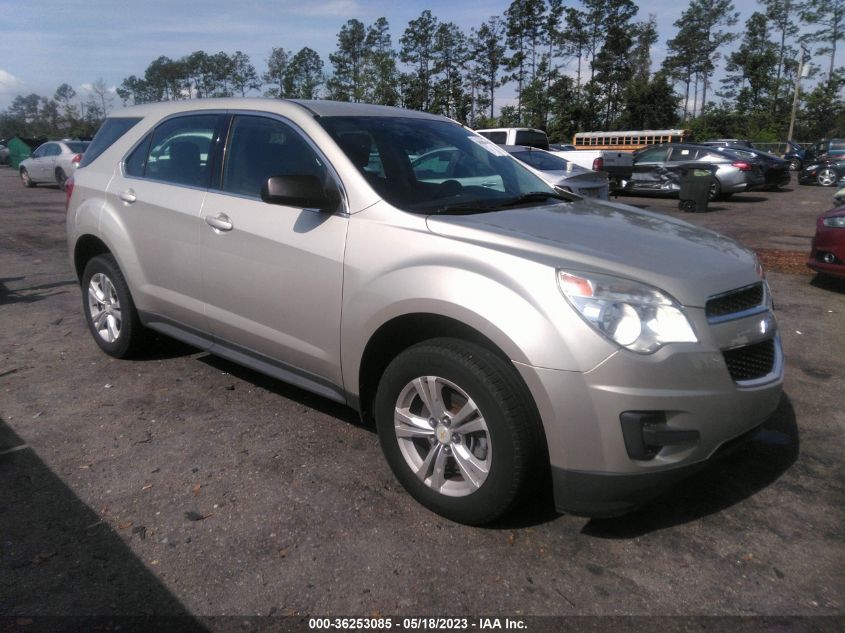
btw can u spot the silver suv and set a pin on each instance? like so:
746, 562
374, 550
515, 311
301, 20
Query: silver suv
499, 334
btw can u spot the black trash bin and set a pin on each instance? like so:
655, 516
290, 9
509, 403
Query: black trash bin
696, 179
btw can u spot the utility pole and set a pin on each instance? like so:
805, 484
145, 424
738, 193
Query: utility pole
803, 71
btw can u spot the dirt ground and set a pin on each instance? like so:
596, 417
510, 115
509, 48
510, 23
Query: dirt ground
182, 484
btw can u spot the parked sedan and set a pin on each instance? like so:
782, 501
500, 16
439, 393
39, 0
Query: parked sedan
52, 163
658, 169
828, 251
561, 173
775, 169
827, 172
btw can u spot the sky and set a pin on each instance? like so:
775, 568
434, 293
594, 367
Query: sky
49, 42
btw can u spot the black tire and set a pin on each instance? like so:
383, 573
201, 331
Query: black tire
129, 335
61, 178
715, 191
26, 179
795, 164
509, 443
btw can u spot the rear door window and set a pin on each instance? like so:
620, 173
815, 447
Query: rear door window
181, 149
683, 154
656, 155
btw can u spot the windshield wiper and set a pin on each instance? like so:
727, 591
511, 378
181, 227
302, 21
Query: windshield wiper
468, 208
464, 208
534, 196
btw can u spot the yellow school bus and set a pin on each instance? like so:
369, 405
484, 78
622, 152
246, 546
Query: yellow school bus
629, 140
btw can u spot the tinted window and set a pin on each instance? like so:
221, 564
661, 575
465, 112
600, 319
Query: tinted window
180, 150
542, 161
111, 130
837, 145
259, 148
136, 162
683, 154
532, 139
40, 151
497, 137
656, 155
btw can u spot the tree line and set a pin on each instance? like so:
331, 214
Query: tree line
571, 68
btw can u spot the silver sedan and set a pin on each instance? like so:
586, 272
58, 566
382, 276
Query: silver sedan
52, 162
561, 173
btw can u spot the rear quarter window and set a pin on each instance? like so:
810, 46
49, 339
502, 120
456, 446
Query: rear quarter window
111, 130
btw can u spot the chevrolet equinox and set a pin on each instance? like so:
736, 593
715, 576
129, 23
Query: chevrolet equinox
500, 334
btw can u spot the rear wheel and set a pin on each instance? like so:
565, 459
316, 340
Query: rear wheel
26, 179
795, 164
826, 177
457, 429
109, 308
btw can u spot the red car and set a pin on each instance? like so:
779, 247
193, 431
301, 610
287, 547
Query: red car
828, 254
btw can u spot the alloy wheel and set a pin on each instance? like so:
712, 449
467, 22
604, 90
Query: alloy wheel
442, 436
827, 177
104, 307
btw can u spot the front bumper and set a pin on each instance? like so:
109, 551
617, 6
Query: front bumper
828, 252
611, 494
687, 385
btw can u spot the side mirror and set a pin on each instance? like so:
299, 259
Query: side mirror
299, 191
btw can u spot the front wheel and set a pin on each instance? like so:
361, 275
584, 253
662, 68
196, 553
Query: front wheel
826, 177
795, 164
715, 190
109, 308
457, 429
26, 179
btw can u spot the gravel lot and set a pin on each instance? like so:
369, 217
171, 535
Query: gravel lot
184, 484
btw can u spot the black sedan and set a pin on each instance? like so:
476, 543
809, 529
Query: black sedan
827, 173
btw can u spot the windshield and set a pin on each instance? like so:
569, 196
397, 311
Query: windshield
431, 166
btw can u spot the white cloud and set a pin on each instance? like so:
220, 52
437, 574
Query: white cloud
9, 83
10, 87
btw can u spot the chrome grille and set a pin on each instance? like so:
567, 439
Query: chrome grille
752, 361
734, 302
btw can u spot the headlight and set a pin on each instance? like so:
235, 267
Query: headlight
837, 222
811, 167
638, 317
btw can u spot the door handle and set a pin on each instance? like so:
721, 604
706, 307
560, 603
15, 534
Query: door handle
127, 196
219, 222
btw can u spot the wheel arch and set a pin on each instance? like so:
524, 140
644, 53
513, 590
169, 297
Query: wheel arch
87, 247
404, 331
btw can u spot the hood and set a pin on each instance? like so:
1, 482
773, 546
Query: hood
689, 263
839, 210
